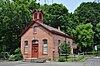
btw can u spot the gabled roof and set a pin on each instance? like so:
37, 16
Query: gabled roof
49, 28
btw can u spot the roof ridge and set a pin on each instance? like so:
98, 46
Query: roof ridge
51, 28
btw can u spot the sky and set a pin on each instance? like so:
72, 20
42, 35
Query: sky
71, 5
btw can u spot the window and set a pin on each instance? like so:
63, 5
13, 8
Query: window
45, 46
26, 47
58, 42
40, 16
68, 42
35, 15
35, 29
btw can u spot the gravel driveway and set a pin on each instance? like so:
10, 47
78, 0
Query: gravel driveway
88, 62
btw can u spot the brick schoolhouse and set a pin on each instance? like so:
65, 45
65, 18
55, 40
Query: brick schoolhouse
39, 40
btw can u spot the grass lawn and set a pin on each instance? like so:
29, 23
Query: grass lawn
76, 58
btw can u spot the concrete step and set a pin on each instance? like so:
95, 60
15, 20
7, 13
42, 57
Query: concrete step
35, 60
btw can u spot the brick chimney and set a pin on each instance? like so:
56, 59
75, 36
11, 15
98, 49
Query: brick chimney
58, 28
37, 16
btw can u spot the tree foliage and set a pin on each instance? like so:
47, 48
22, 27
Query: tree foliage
14, 17
88, 13
83, 35
55, 15
97, 34
65, 48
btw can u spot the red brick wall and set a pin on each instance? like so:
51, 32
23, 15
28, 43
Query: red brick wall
44, 34
27, 36
40, 35
56, 38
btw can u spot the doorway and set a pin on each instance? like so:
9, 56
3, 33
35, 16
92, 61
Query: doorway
35, 50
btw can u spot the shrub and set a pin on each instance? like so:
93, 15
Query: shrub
65, 48
94, 52
12, 57
98, 47
1, 56
16, 56
82, 58
61, 59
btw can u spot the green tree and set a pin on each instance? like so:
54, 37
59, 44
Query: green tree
55, 15
70, 24
65, 49
97, 34
14, 17
83, 36
89, 12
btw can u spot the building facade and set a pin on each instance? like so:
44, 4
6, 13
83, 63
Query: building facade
39, 40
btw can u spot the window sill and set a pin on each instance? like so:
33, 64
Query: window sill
44, 54
25, 53
35, 33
